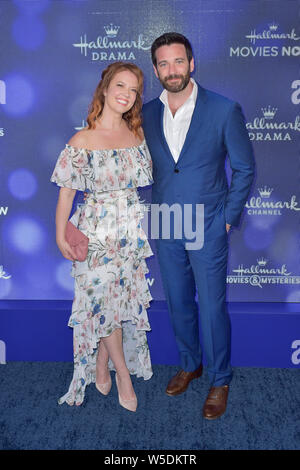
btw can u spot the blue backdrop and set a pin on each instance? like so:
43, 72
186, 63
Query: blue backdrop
52, 55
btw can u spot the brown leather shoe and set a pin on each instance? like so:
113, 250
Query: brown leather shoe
216, 401
180, 382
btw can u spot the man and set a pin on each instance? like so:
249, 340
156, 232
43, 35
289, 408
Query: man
189, 131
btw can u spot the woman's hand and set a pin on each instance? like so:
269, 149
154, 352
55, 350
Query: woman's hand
63, 209
66, 250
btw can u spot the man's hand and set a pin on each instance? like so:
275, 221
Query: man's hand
227, 227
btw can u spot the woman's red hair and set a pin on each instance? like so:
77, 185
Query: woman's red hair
133, 117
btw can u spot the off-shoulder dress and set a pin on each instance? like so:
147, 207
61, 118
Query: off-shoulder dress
111, 290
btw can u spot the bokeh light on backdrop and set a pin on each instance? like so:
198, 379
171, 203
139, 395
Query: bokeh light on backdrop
52, 56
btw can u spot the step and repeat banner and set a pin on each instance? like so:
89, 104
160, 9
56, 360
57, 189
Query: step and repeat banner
52, 55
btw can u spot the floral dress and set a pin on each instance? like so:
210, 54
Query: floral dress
111, 290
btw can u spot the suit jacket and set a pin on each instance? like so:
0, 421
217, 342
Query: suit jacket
217, 129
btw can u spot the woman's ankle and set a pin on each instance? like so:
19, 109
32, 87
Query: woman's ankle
123, 373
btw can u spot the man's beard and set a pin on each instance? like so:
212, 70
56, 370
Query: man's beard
178, 86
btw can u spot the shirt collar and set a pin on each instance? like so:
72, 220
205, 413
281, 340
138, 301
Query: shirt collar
192, 98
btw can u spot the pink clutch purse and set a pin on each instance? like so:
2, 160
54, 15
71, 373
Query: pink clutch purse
77, 240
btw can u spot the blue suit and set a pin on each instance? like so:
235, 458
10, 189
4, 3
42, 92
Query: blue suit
217, 129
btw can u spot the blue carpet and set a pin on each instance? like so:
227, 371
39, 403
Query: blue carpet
263, 412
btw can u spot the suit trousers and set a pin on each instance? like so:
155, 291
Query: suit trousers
183, 271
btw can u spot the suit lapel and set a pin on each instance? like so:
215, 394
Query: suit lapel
196, 121
160, 131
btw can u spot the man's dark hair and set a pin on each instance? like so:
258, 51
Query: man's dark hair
171, 38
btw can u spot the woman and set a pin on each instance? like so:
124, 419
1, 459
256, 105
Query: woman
109, 159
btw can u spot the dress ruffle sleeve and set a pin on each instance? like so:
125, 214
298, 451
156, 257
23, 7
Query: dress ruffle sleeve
73, 169
103, 170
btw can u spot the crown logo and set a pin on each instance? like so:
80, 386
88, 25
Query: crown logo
273, 26
262, 261
111, 30
269, 112
265, 192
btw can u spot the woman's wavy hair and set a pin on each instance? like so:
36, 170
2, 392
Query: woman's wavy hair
133, 117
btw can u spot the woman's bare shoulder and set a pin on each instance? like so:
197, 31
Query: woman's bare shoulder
80, 139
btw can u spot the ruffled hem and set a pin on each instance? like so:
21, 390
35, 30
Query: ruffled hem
85, 373
88, 329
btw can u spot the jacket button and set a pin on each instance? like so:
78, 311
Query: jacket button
176, 170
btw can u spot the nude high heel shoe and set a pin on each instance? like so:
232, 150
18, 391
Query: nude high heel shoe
130, 405
104, 388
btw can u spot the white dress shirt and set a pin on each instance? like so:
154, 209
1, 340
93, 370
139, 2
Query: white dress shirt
176, 127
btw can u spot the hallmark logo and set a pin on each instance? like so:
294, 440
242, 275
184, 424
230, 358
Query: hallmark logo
263, 205
259, 275
107, 48
265, 127
3, 274
111, 30
262, 261
273, 26
265, 192
267, 37
269, 112
271, 33
2, 92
